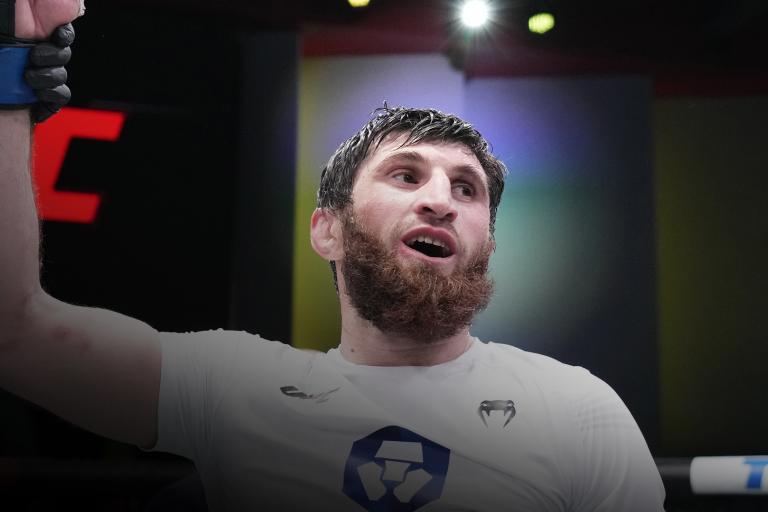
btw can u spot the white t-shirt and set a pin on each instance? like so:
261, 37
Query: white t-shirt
270, 427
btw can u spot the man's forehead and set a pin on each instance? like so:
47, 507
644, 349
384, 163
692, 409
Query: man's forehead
395, 145
399, 140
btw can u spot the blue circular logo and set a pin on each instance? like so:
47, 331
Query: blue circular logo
395, 470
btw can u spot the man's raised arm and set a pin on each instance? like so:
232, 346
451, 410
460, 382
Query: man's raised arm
95, 368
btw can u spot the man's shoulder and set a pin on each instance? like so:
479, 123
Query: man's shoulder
501, 354
545, 371
231, 354
222, 343
215, 336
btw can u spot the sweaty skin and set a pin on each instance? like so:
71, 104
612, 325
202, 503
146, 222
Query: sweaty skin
399, 191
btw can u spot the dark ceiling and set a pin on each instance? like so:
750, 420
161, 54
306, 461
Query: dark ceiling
652, 36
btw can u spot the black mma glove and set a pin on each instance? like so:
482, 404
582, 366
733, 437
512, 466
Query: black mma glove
46, 74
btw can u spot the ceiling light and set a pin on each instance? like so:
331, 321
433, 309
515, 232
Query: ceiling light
541, 23
475, 13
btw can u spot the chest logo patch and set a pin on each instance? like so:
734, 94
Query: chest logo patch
294, 392
506, 407
395, 470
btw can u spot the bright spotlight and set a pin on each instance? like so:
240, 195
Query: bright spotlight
475, 13
541, 23
359, 3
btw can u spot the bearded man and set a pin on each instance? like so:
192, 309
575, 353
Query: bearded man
409, 412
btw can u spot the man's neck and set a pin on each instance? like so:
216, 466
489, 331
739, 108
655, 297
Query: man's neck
362, 343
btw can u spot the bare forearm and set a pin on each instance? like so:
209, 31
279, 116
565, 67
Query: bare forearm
95, 368
76, 362
19, 227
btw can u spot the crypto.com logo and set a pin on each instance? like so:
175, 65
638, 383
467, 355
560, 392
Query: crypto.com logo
52, 139
395, 470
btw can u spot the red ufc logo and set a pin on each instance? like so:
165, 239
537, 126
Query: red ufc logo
51, 143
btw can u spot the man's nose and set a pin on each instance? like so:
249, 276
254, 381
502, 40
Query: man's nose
436, 199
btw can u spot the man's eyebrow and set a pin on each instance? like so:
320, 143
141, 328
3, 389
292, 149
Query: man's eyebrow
402, 156
471, 170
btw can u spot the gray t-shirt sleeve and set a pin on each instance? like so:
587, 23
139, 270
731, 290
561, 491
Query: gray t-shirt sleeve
196, 370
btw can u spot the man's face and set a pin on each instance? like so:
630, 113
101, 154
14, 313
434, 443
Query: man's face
428, 202
416, 241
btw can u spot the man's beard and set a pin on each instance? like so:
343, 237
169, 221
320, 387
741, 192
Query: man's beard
412, 301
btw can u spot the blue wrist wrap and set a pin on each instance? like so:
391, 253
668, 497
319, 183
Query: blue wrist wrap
13, 88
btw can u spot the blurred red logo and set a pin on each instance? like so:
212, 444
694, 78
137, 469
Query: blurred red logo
52, 140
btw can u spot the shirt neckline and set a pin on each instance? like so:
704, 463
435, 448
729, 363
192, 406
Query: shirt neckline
459, 363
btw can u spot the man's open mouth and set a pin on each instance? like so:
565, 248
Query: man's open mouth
429, 247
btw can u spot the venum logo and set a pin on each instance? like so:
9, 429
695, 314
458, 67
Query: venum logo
395, 469
506, 407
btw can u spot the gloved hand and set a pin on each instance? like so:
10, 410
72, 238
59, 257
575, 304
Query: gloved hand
46, 73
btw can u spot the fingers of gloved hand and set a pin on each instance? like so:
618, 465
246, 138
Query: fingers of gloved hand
42, 111
59, 95
45, 78
47, 54
64, 35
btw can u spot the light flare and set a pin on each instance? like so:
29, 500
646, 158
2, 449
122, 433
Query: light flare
475, 13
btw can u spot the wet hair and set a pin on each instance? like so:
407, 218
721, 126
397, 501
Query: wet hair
420, 125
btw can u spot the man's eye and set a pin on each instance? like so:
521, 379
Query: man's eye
465, 190
405, 177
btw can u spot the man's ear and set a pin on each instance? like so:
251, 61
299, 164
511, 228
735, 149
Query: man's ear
326, 235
